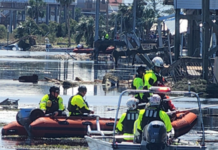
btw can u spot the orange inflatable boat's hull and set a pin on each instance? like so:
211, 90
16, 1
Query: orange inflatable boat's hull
184, 123
77, 126
72, 127
59, 127
13, 128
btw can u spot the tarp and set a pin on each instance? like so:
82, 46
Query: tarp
170, 23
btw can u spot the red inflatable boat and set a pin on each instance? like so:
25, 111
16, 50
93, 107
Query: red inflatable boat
77, 126
109, 50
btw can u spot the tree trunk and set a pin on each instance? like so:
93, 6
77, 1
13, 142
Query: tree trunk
68, 28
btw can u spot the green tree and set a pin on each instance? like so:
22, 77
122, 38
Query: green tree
85, 28
3, 31
67, 3
36, 9
78, 14
26, 28
44, 29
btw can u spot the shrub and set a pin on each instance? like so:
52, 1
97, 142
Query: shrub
3, 31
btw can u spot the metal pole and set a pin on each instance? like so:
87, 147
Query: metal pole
121, 28
8, 30
205, 37
177, 35
134, 15
97, 18
107, 16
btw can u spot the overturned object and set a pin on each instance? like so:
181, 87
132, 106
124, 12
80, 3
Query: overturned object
33, 78
9, 104
69, 84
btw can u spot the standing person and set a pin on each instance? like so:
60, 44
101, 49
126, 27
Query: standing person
77, 105
152, 113
126, 122
106, 36
154, 78
52, 104
138, 85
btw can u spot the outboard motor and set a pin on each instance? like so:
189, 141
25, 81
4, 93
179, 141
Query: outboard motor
154, 136
26, 116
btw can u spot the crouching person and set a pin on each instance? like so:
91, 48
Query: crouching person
77, 106
52, 103
126, 122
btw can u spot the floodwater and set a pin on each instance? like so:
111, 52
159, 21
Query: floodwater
14, 64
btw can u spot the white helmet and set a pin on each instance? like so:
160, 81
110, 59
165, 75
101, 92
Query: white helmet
132, 103
157, 62
155, 100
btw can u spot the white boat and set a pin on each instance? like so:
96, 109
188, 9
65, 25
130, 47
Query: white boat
112, 142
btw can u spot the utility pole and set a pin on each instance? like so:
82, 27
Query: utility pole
205, 37
107, 15
97, 7
177, 34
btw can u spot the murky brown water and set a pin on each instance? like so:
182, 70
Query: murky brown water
99, 97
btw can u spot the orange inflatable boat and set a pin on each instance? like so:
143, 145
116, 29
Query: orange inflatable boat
77, 126
59, 126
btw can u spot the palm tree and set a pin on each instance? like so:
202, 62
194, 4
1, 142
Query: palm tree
85, 28
36, 9
67, 3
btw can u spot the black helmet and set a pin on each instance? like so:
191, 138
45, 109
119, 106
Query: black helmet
140, 68
82, 88
54, 89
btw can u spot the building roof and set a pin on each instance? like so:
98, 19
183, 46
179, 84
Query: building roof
115, 2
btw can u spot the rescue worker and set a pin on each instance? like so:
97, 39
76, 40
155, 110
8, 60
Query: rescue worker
138, 85
77, 106
52, 104
126, 122
154, 78
152, 113
106, 37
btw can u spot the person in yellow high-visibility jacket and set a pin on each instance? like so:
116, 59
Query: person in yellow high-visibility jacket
152, 113
106, 37
77, 106
138, 85
154, 78
126, 122
52, 104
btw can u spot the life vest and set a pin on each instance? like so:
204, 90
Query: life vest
150, 115
54, 106
138, 80
128, 122
74, 109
